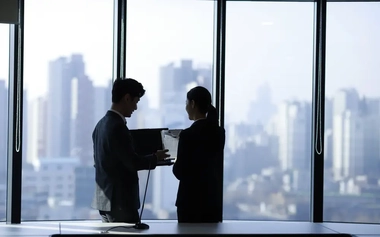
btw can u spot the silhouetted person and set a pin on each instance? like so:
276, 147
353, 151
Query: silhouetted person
116, 163
199, 162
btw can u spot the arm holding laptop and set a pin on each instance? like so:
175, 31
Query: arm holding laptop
131, 160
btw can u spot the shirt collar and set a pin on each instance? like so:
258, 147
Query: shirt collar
117, 112
199, 119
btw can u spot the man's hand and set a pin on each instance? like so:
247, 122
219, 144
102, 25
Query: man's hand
162, 155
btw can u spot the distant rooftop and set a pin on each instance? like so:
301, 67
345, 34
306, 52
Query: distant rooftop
59, 160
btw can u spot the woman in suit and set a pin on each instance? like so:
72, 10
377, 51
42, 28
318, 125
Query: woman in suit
199, 164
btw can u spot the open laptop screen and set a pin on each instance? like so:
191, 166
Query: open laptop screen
147, 141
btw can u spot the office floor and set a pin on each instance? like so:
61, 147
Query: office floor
44, 229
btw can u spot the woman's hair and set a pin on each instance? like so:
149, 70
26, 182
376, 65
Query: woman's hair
202, 99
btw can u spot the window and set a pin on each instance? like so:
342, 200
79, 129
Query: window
268, 110
352, 113
170, 50
4, 65
67, 73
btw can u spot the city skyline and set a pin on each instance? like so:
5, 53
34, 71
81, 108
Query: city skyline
267, 22
288, 129
265, 85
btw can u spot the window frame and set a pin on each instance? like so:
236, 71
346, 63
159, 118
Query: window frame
15, 102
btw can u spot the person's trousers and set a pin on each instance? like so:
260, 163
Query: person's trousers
120, 215
195, 215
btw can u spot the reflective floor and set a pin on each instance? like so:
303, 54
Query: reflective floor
172, 228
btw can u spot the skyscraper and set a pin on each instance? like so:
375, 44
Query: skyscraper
371, 136
82, 119
70, 108
59, 108
347, 135
37, 129
3, 130
175, 80
102, 100
294, 135
25, 129
262, 109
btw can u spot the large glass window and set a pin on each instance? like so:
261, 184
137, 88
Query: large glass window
169, 49
268, 110
352, 115
4, 72
67, 75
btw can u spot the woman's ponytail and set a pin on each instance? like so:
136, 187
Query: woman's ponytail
212, 114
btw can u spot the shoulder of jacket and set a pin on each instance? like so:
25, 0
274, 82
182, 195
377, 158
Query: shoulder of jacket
185, 132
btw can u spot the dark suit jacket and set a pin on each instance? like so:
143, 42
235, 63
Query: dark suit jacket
116, 165
199, 166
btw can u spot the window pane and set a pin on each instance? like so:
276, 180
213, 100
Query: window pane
352, 135
4, 70
68, 70
169, 49
269, 61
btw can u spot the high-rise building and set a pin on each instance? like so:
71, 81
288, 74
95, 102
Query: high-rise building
328, 148
294, 132
82, 119
25, 129
102, 101
4, 124
347, 135
175, 80
3, 129
328, 113
37, 129
59, 108
371, 136
70, 109
262, 109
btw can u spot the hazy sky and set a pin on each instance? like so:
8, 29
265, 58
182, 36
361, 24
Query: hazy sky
266, 42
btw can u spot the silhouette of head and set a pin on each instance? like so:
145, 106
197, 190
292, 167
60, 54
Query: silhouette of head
199, 104
126, 93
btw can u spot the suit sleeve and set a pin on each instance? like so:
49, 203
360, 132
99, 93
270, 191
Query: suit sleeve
222, 141
222, 138
126, 152
181, 167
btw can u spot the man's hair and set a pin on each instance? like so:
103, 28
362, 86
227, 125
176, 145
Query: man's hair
130, 86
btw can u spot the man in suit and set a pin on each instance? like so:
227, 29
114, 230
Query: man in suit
116, 162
